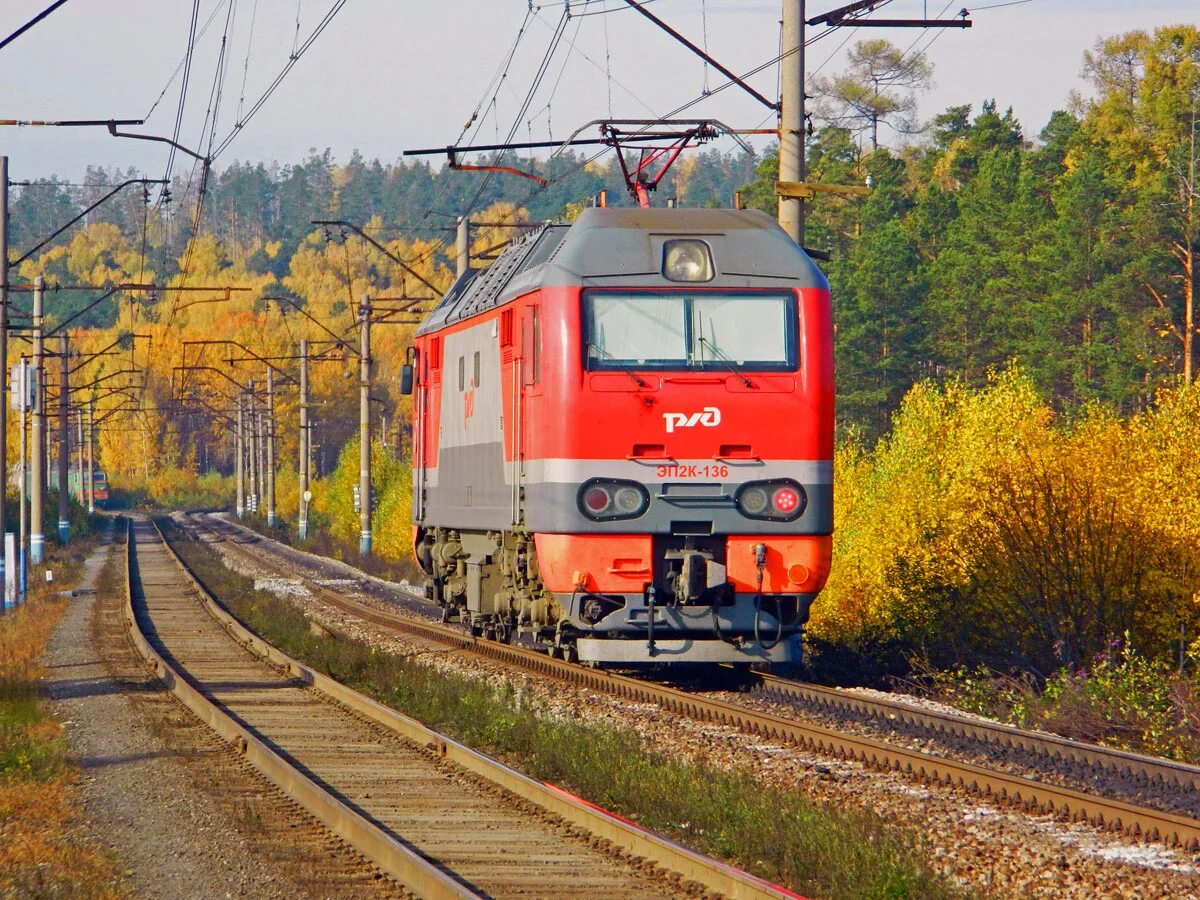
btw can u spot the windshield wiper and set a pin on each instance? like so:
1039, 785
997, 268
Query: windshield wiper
624, 368
733, 367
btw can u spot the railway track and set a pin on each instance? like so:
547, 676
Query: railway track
439, 818
1134, 819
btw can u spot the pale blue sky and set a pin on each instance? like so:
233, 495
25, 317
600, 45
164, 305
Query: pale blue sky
393, 74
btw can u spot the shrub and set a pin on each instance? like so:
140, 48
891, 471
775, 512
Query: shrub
983, 529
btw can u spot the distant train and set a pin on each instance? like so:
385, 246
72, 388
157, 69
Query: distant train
623, 440
99, 486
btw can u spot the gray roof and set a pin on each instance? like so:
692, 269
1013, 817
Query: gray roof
623, 248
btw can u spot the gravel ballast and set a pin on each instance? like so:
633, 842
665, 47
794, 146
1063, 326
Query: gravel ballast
998, 850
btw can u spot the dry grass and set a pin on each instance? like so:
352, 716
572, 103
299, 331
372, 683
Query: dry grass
44, 850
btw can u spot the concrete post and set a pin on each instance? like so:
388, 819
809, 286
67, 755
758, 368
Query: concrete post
91, 456
79, 456
302, 529
3, 351
64, 437
252, 431
462, 245
364, 430
240, 457
270, 436
260, 470
37, 450
23, 492
792, 118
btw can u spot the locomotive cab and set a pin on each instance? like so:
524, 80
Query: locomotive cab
624, 439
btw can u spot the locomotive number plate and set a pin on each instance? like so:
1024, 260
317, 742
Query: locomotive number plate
712, 470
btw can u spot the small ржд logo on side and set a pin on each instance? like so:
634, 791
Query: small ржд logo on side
709, 417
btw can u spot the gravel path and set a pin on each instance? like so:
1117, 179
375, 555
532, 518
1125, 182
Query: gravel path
184, 816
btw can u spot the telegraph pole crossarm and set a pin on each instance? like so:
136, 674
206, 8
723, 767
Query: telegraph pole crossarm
808, 190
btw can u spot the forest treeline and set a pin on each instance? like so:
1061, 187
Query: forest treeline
1071, 252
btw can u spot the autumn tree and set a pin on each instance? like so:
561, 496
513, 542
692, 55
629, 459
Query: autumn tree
1148, 109
880, 85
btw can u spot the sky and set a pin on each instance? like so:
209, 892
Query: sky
390, 75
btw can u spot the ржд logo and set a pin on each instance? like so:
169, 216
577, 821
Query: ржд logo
709, 417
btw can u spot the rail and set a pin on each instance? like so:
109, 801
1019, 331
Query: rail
1129, 818
390, 855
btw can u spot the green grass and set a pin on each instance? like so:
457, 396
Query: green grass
809, 847
29, 748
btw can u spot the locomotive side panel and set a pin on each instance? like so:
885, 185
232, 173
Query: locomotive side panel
468, 487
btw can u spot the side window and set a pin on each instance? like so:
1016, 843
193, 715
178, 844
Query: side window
537, 346
462, 371
475, 383
532, 349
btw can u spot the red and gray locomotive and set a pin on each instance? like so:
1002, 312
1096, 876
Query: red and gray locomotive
623, 440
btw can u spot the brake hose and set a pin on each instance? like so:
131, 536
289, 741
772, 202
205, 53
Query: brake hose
760, 561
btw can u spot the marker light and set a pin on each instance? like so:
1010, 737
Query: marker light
628, 500
604, 499
687, 260
596, 500
785, 500
754, 501
780, 500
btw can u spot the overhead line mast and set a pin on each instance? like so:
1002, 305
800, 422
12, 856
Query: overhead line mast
792, 187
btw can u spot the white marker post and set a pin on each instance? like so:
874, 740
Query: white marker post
10, 568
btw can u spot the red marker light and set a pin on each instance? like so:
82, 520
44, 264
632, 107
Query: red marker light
596, 500
786, 500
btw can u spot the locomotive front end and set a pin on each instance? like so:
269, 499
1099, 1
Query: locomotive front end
623, 440
682, 502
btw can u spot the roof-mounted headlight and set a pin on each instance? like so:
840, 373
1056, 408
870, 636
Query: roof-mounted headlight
687, 260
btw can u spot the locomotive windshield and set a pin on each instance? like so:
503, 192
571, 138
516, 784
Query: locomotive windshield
700, 331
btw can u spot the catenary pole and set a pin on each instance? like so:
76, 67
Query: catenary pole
462, 246
240, 457
23, 492
91, 456
252, 429
364, 431
79, 444
302, 528
791, 118
270, 447
37, 449
260, 468
64, 437
3, 349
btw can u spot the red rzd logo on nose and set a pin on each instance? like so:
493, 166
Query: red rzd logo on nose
709, 417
